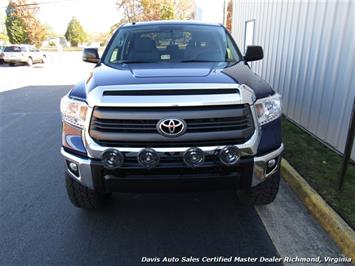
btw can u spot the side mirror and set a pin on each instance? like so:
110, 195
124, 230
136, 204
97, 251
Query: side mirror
253, 53
91, 55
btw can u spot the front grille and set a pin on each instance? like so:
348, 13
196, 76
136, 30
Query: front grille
149, 126
217, 124
137, 127
124, 125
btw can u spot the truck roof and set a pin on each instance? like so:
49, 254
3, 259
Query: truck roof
171, 22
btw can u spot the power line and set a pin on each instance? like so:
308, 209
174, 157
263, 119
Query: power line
41, 3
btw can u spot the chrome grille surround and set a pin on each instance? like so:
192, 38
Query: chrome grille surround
243, 95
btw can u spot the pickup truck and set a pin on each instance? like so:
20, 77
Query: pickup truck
171, 106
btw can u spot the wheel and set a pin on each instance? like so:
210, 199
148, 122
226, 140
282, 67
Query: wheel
44, 59
262, 194
83, 197
12, 64
29, 61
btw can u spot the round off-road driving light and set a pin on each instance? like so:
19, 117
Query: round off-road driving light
271, 163
148, 158
270, 166
194, 157
73, 167
112, 159
229, 155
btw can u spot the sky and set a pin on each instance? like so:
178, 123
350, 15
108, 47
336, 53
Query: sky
95, 15
99, 15
209, 10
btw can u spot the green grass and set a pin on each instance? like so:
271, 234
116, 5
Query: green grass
320, 166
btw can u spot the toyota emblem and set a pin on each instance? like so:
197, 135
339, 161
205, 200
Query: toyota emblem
171, 127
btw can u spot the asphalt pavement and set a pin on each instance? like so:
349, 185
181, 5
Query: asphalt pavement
39, 226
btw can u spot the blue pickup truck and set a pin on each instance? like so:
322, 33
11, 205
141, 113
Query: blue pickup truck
171, 105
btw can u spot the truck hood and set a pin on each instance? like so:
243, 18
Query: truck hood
126, 74
170, 71
160, 73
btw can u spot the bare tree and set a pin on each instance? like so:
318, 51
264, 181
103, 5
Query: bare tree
145, 10
229, 15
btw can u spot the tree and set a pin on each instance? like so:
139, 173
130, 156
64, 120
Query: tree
143, 10
49, 31
15, 24
3, 38
167, 11
75, 33
101, 37
184, 9
3, 35
132, 10
229, 15
22, 24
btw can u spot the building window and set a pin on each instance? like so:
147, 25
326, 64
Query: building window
249, 33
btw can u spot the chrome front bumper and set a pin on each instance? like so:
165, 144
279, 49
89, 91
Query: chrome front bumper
85, 176
260, 163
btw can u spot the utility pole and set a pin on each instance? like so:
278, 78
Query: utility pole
225, 12
348, 148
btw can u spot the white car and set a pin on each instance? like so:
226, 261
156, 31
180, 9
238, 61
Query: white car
2, 48
24, 54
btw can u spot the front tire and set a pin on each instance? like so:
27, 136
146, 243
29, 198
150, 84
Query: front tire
84, 197
29, 61
263, 193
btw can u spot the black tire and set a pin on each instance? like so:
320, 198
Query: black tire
12, 64
262, 194
83, 197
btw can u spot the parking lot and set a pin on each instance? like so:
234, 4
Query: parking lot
38, 224
59, 69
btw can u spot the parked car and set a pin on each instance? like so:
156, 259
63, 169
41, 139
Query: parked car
24, 54
2, 48
169, 106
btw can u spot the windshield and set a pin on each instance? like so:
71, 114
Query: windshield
12, 49
171, 43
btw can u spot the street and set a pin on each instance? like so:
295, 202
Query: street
38, 224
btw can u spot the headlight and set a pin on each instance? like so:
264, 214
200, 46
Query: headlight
73, 111
268, 109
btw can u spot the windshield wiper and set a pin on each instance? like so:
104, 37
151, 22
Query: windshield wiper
196, 61
134, 62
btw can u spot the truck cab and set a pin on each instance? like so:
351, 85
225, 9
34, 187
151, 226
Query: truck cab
171, 105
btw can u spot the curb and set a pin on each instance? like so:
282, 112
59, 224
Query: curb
331, 222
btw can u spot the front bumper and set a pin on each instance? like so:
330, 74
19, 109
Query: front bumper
250, 171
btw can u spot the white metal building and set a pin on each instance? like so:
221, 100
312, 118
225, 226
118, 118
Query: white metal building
308, 58
209, 10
